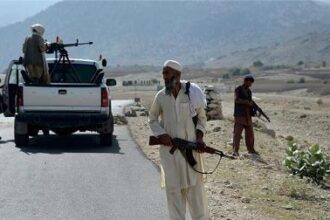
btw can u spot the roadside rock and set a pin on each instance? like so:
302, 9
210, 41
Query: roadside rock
214, 106
289, 138
319, 101
288, 207
138, 108
270, 132
130, 113
119, 120
245, 200
145, 113
260, 125
227, 182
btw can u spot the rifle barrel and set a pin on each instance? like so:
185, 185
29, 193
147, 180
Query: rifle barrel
260, 110
75, 44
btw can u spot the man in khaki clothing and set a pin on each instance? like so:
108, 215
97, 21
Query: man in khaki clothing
176, 109
34, 49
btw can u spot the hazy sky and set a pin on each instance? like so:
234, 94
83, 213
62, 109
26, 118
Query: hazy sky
12, 11
17, 10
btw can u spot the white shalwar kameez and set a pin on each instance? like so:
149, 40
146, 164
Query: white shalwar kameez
183, 185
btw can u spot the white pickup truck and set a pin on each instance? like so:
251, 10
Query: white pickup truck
77, 99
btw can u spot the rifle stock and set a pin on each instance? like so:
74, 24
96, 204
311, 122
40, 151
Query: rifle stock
154, 141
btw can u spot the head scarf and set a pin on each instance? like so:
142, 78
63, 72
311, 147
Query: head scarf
173, 64
38, 29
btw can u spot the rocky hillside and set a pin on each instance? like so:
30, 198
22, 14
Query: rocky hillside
309, 48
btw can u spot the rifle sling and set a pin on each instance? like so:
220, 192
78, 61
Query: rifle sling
188, 153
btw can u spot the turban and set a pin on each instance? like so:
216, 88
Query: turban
38, 29
249, 78
173, 64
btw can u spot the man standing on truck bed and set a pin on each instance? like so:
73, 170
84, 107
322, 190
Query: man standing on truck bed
1, 105
34, 49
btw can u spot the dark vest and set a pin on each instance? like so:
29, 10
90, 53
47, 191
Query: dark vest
244, 94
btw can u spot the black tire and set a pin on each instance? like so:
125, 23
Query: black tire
21, 140
112, 124
33, 131
106, 139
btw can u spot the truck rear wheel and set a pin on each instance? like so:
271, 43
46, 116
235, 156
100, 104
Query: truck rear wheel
21, 140
106, 139
21, 133
33, 131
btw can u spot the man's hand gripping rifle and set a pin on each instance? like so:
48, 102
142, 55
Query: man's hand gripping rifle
186, 147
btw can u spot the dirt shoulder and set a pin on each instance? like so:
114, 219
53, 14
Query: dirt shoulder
250, 188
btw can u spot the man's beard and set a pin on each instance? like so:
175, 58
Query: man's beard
170, 85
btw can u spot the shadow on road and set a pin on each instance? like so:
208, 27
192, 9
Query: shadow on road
77, 143
6, 141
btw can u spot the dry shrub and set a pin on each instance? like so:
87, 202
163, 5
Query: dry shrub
295, 188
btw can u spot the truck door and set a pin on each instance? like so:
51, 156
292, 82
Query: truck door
2, 81
12, 80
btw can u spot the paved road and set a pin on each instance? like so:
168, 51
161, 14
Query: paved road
74, 178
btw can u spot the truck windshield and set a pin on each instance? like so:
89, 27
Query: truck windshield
65, 73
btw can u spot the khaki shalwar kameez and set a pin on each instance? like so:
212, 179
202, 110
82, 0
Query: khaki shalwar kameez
35, 59
183, 185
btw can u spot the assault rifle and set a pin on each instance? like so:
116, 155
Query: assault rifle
186, 147
256, 110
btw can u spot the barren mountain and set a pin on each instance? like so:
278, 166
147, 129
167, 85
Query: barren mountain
139, 32
309, 48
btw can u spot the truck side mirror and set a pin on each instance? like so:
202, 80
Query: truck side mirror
20, 60
111, 82
104, 62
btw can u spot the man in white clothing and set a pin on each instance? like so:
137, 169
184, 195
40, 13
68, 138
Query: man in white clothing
175, 109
